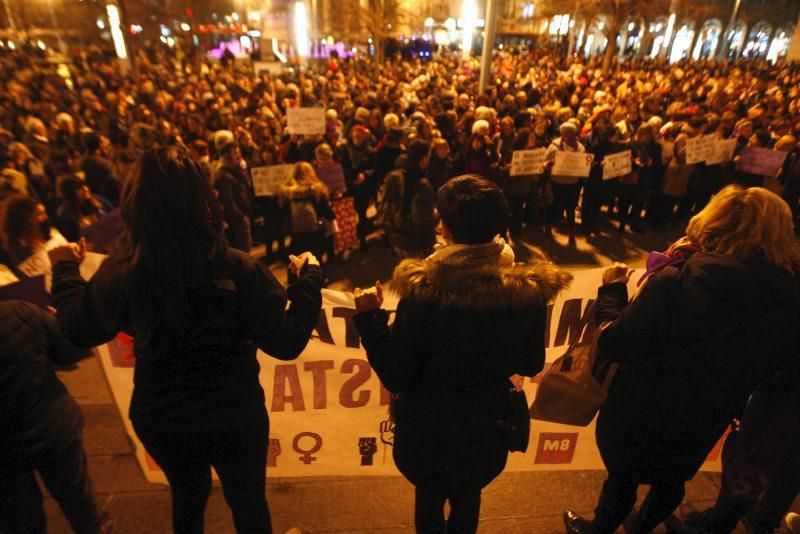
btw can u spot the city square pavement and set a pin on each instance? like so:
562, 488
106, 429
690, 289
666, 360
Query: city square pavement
514, 503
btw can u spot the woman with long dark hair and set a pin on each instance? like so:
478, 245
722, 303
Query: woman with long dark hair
198, 310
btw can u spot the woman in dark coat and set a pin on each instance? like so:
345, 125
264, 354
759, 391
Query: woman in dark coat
692, 346
198, 311
468, 318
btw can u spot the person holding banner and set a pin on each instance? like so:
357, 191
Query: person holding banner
699, 337
197, 310
42, 427
566, 189
468, 318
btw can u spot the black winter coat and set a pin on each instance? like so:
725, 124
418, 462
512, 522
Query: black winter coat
36, 411
458, 334
211, 376
692, 347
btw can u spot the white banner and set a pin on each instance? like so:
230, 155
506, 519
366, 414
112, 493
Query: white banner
267, 180
616, 165
329, 412
528, 162
573, 164
305, 121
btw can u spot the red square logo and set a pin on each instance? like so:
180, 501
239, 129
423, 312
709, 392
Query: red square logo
556, 448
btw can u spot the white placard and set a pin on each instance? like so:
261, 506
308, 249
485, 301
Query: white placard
305, 121
573, 164
700, 148
616, 165
267, 180
723, 151
527, 162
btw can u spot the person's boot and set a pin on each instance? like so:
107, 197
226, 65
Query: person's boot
572, 242
576, 524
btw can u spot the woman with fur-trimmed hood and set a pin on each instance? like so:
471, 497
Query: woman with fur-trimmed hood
469, 317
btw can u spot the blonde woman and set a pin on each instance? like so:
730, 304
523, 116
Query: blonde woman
698, 339
311, 216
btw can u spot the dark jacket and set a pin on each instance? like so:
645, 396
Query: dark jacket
692, 347
36, 412
211, 375
458, 334
99, 176
234, 196
409, 217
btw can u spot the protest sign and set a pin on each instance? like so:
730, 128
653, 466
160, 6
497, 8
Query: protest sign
332, 175
723, 151
761, 161
305, 121
527, 162
700, 148
572, 164
329, 414
616, 165
267, 180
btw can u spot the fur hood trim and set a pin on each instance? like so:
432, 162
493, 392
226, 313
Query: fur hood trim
493, 287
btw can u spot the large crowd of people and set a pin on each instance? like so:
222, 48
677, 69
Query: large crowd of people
70, 143
161, 159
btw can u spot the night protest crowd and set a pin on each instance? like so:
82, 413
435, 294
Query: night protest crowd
412, 154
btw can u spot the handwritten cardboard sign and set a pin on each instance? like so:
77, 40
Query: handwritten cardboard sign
305, 121
761, 161
573, 164
527, 162
267, 180
616, 165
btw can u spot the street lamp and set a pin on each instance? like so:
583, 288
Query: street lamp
469, 14
301, 29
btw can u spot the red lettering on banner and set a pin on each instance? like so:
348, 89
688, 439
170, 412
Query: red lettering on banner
386, 396
151, 464
362, 374
286, 374
556, 448
317, 370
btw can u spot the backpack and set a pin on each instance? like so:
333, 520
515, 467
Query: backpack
304, 216
389, 206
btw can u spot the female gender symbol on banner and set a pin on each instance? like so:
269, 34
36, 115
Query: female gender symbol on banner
306, 457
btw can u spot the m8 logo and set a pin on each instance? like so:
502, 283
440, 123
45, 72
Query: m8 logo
556, 448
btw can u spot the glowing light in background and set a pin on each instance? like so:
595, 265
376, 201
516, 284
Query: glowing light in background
116, 32
301, 29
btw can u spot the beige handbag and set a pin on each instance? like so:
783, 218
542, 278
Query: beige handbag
575, 387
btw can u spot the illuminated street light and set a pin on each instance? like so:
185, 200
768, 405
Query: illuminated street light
469, 14
116, 32
301, 29
429, 22
185, 27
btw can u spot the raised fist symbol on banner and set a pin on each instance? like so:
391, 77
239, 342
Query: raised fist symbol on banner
387, 432
273, 451
367, 447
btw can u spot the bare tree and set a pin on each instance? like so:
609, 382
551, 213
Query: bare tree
379, 19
